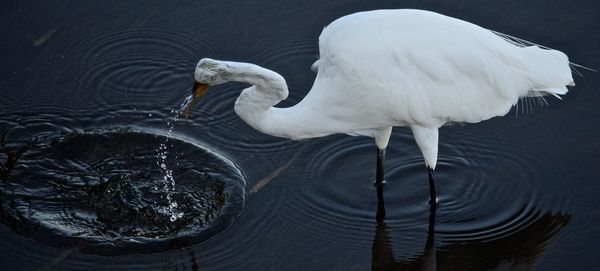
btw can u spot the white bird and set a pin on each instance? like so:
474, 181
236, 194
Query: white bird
385, 68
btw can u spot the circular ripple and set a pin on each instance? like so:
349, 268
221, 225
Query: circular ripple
487, 188
143, 77
146, 64
136, 41
100, 191
340, 199
501, 192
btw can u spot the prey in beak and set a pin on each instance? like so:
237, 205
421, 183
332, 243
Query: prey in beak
198, 91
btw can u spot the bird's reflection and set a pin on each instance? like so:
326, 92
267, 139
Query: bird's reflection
383, 254
516, 251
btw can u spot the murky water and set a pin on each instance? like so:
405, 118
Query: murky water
86, 98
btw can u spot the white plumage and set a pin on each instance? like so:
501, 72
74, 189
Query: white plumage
385, 68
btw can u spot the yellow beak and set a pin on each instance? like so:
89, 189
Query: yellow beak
197, 92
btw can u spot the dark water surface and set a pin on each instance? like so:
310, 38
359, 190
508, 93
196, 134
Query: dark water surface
87, 90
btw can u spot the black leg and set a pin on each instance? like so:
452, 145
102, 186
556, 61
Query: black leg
432, 198
379, 182
429, 254
379, 175
380, 216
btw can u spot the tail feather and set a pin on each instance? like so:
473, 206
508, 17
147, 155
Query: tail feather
548, 70
525, 43
549, 91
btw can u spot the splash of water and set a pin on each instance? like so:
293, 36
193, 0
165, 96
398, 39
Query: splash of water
94, 190
186, 106
167, 184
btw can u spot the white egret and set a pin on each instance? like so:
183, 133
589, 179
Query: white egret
385, 68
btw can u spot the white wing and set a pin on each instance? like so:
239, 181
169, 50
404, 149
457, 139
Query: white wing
390, 67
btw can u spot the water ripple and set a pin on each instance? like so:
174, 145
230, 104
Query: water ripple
144, 65
487, 188
97, 191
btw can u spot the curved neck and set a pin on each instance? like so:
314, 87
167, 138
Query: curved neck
255, 103
266, 81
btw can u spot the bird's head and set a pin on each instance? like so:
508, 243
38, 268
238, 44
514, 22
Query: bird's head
209, 72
